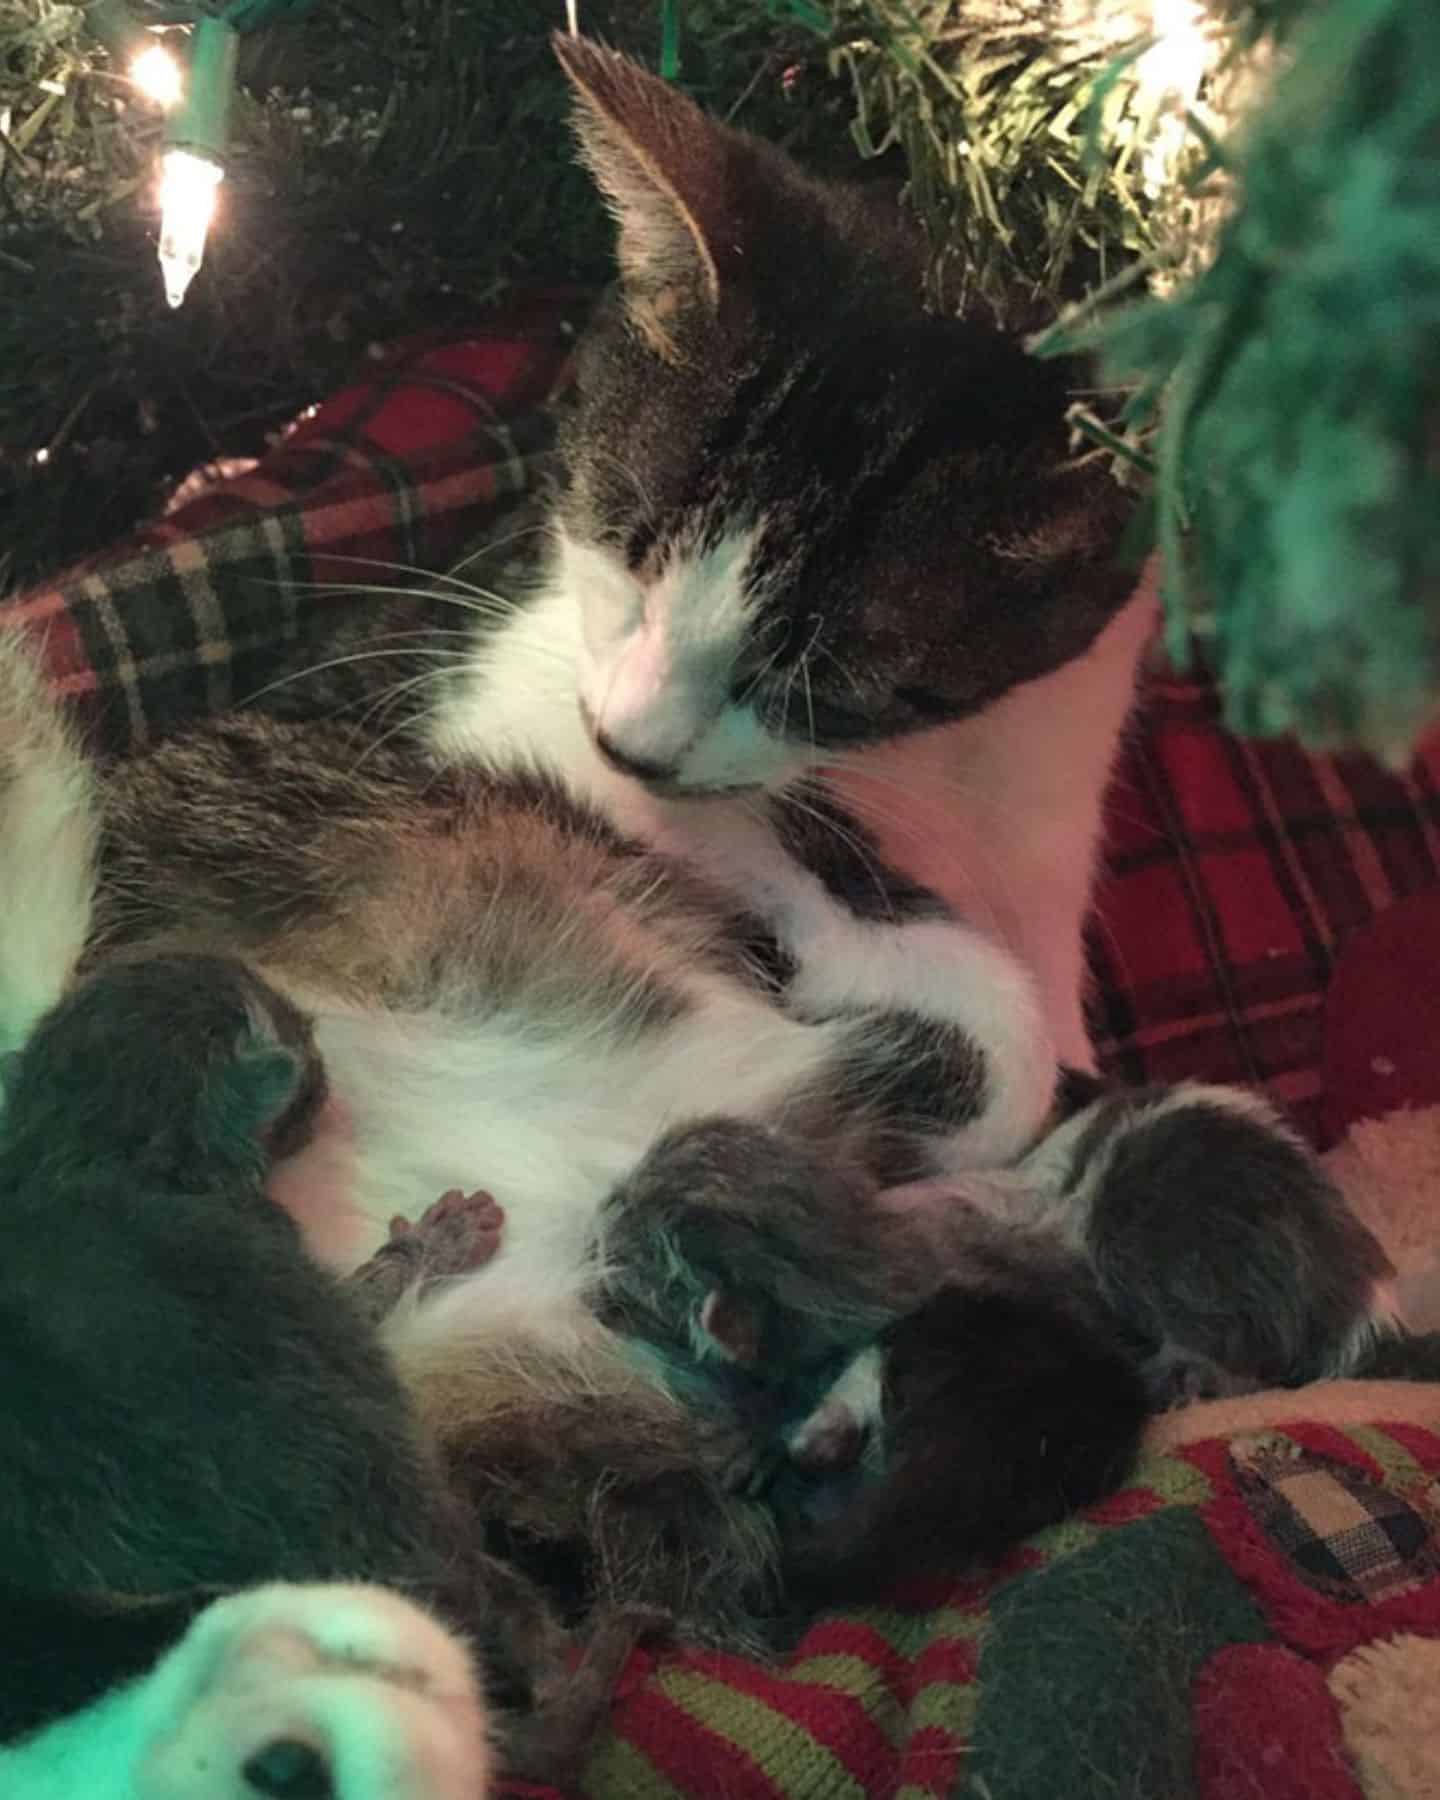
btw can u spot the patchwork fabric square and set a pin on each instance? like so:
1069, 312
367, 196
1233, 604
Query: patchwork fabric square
1345, 1536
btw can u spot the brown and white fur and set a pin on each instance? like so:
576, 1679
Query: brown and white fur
609, 901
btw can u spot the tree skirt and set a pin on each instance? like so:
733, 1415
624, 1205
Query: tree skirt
1258, 1612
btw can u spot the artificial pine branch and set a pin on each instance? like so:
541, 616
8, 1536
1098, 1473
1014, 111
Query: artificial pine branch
1296, 388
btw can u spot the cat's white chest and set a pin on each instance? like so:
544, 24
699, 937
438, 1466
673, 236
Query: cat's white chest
1001, 815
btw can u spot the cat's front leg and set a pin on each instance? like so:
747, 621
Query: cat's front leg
948, 1041
295, 1693
960, 1046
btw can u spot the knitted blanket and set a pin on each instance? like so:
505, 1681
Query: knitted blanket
1258, 1612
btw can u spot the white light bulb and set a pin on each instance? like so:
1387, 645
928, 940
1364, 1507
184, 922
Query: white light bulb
1171, 72
157, 75
188, 185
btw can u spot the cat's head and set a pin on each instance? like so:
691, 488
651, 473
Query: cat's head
800, 512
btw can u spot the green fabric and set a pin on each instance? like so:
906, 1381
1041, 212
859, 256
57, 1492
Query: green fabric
1086, 1672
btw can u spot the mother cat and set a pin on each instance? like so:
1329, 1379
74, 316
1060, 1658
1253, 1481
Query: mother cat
609, 915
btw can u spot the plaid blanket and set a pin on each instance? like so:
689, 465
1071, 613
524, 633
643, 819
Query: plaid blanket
1124, 1652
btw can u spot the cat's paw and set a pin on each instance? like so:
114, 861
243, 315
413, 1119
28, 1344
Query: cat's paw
948, 1030
314, 1693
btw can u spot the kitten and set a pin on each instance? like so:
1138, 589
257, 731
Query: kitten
192, 1408
204, 1449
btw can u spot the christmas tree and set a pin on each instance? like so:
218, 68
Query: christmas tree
1238, 202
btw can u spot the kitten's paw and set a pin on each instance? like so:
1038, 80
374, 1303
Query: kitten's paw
315, 1693
459, 1232
1215, 1233
831, 1438
838, 1432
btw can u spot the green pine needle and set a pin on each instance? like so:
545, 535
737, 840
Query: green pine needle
1297, 383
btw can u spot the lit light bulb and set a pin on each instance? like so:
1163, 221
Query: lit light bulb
188, 185
157, 75
1171, 72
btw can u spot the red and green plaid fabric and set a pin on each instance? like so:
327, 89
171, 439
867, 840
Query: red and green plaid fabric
389, 478
1236, 875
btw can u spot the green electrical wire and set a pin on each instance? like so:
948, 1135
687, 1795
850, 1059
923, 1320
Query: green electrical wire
670, 39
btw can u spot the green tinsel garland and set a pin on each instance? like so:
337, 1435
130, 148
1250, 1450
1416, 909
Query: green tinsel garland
1296, 385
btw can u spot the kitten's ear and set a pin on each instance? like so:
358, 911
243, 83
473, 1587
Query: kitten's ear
668, 171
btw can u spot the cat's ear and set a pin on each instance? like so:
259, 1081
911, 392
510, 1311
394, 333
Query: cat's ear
669, 172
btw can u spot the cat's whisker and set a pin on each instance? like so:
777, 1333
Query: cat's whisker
541, 528
951, 785
809, 697
872, 813
383, 703
764, 669
841, 668
452, 656
468, 596
409, 723
798, 794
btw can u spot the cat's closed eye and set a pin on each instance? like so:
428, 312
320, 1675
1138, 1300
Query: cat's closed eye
926, 703
801, 713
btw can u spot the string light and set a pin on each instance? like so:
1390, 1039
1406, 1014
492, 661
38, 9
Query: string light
1171, 73
157, 75
194, 162
189, 190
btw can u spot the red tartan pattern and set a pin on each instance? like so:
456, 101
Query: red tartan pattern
391, 477
1234, 875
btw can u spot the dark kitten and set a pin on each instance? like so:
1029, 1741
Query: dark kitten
754, 1271
153, 1298
192, 1406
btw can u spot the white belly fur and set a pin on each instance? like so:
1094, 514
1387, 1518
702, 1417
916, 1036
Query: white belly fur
546, 1122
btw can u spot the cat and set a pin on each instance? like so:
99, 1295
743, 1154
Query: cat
804, 522
547, 950
833, 617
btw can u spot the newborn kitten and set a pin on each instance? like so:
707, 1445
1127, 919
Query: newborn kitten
204, 1446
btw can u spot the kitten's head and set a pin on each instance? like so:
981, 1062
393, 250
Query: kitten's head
800, 512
